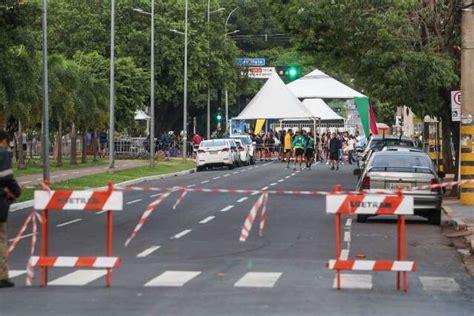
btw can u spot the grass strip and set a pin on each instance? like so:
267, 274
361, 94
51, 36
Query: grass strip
33, 166
102, 179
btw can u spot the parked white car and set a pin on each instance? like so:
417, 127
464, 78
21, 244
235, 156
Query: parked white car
244, 153
216, 153
247, 141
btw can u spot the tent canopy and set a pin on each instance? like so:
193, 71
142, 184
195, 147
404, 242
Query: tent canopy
321, 110
274, 101
141, 116
317, 84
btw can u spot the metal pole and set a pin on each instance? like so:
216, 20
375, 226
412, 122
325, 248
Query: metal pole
185, 90
112, 89
227, 110
45, 96
208, 130
152, 87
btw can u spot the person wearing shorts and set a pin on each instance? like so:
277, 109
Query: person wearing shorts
287, 146
299, 146
309, 151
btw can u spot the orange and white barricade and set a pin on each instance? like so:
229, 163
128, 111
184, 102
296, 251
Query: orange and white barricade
94, 201
372, 204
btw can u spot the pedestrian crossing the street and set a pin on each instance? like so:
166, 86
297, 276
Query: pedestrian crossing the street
255, 279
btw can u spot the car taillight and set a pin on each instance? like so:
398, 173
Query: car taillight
201, 151
226, 149
241, 148
366, 183
434, 181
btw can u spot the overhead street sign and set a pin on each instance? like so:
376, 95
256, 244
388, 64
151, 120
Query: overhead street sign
456, 106
258, 72
247, 62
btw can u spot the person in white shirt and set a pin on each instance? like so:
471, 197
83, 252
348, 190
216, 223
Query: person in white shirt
351, 144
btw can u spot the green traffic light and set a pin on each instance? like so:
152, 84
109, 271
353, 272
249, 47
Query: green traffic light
219, 117
292, 72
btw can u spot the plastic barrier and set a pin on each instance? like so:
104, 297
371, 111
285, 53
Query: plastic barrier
47, 200
372, 204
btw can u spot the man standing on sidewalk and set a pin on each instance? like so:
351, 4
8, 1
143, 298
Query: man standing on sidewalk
9, 190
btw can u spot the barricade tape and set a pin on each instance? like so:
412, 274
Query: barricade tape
20, 234
261, 202
30, 271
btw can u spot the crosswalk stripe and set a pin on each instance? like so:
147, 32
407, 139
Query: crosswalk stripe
79, 277
148, 251
258, 279
439, 284
14, 273
173, 278
354, 281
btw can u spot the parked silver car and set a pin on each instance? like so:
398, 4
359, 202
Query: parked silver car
392, 170
378, 142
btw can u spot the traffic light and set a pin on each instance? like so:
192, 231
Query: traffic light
288, 72
218, 117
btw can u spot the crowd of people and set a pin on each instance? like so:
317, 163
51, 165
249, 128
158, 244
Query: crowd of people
303, 147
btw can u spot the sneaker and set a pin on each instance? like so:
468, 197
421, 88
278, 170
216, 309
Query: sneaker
6, 283
332, 168
294, 168
337, 168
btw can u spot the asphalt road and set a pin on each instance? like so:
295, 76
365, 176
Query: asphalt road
192, 262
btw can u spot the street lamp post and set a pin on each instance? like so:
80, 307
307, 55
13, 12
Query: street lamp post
45, 95
209, 12
226, 93
152, 81
185, 88
112, 89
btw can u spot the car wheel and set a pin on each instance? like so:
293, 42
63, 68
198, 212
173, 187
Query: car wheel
362, 218
199, 169
435, 217
231, 167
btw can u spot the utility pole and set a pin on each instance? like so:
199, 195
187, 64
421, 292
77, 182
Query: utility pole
208, 126
467, 103
152, 87
185, 90
45, 95
112, 90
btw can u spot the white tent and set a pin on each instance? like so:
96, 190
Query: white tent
274, 101
317, 84
321, 110
141, 116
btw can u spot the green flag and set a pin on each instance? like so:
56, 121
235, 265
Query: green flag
362, 105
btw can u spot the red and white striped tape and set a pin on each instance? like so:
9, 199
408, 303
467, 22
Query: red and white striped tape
30, 271
371, 265
20, 234
370, 204
244, 234
149, 209
75, 262
263, 214
78, 200
180, 199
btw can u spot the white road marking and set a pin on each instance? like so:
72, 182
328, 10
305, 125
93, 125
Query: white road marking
281, 180
439, 284
255, 193
244, 170
14, 273
70, 222
155, 195
347, 236
24, 236
293, 174
207, 220
235, 172
181, 234
264, 188
216, 178
226, 175
148, 251
287, 177
173, 278
242, 199
272, 184
101, 212
349, 222
258, 279
354, 281
227, 208
205, 181
191, 185
134, 201
79, 277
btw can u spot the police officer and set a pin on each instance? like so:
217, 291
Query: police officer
9, 190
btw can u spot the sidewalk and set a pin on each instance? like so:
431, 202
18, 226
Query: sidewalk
58, 176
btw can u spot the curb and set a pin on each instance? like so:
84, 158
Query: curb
26, 204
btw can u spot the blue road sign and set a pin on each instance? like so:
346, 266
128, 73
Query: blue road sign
250, 62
